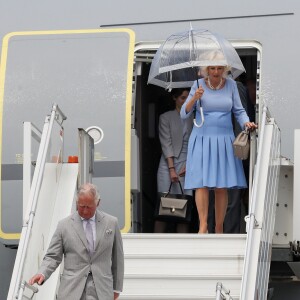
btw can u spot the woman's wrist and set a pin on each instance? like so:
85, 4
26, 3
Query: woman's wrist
171, 168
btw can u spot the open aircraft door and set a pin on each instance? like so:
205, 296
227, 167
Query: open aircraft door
88, 73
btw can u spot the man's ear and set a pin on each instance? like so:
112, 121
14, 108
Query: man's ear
98, 202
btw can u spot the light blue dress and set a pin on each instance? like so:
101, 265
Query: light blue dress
210, 160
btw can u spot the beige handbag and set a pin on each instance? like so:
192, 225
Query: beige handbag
241, 145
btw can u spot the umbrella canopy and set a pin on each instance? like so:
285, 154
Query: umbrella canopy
177, 61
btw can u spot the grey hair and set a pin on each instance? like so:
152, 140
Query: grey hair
88, 189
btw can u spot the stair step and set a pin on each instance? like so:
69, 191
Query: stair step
174, 297
183, 265
189, 244
173, 285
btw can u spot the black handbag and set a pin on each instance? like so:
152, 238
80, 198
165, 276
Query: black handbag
175, 207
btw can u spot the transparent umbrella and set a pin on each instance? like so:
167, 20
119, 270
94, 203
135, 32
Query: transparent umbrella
176, 63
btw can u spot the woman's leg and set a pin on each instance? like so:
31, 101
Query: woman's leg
182, 228
202, 208
160, 227
221, 201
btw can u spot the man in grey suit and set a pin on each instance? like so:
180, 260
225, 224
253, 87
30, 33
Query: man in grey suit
91, 244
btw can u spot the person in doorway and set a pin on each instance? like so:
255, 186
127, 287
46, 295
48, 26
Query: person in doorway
251, 86
91, 244
211, 163
232, 222
173, 134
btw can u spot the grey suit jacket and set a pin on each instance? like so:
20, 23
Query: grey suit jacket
170, 132
106, 264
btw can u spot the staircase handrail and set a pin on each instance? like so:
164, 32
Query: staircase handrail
58, 116
250, 219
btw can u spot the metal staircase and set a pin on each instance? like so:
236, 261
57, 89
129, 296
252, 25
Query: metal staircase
182, 266
172, 266
192, 266
50, 199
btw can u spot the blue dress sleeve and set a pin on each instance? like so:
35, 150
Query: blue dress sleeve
237, 108
183, 113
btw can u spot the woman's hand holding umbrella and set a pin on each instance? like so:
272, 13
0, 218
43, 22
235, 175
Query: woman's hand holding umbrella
199, 93
197, 96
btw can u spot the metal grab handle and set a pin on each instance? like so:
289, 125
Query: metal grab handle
222, 292
24, 285
202, 118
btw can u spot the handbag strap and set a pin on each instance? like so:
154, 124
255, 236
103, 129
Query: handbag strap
246, 130
171, 186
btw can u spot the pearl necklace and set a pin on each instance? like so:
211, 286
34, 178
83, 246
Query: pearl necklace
212, 87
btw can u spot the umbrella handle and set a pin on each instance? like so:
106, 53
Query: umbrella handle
202, 118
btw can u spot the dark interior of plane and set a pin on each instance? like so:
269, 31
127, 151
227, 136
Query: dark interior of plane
151, 101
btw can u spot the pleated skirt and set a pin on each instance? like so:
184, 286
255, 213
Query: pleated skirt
210, 160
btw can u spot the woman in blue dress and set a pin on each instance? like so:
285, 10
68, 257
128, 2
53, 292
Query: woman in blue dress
211, 163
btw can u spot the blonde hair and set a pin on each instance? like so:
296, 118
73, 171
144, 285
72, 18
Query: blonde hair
214, 58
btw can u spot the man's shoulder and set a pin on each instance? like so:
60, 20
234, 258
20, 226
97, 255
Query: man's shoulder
67, 219
107, 216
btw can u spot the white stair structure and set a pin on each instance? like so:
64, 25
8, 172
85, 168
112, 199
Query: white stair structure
182, 266
166, 266
50, 199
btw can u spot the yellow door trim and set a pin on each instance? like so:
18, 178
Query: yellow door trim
3, 62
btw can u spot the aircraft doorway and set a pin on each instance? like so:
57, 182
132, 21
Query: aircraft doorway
149, 102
